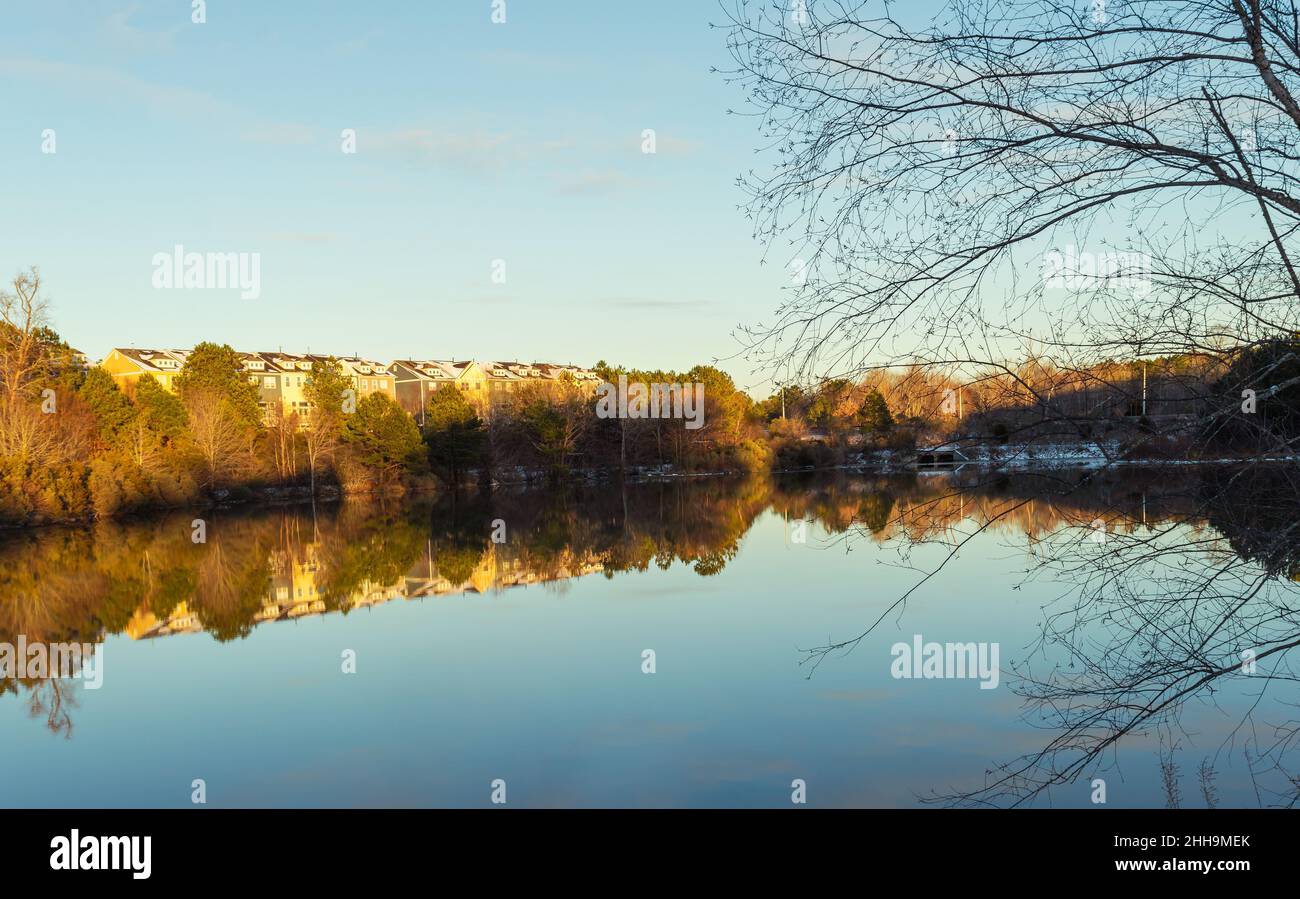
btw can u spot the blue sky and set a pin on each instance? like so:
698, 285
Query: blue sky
475, 142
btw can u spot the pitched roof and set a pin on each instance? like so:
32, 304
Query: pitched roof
149, 359
433, 369
503, 371
352, 362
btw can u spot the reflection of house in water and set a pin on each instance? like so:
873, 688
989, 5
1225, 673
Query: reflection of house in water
296, 591
144, 623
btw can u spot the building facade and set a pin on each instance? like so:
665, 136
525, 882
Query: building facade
281, 378
128, 365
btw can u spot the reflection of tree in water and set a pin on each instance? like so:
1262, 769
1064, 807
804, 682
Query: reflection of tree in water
1145, 628
53, 600
459, 529
1256, 510
361, 546
232, 578
1164, 583
875, 510
1160, 619
49, 698
146, 577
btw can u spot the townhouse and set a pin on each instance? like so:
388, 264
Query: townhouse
543, 372
482, 382
488, 385
128, 365
281, 377
367, 376
416, 380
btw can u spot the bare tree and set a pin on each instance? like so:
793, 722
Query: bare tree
325, 391
141, 442
1113, 180
283, 436
26, 431
218, 434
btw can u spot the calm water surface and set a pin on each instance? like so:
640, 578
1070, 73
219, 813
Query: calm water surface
523, 660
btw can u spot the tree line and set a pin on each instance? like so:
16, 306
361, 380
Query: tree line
75, 445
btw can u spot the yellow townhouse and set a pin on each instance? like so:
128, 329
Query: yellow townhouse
128, 365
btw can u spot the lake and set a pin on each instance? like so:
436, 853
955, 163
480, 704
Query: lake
699, 642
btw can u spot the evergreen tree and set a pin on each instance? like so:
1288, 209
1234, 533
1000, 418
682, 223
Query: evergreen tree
219, 370
873, 414
453, 432
161, 411
110, 406
383, 437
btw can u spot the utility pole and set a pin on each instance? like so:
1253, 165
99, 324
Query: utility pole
1143, 361
1144, 387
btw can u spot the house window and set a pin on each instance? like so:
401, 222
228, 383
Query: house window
268, 383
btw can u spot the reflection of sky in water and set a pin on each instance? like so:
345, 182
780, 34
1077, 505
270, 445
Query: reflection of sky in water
543, 687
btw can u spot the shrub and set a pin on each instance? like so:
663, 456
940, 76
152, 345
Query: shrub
751, 455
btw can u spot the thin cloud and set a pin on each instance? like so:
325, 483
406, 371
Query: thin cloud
114, 86
593, 183
468, 150
656, 303
477, 151
111, 84
119, 32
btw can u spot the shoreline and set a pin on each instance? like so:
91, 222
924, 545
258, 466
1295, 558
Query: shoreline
273, 497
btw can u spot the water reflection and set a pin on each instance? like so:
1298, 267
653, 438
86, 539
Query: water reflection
1162, 579
1174, 588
